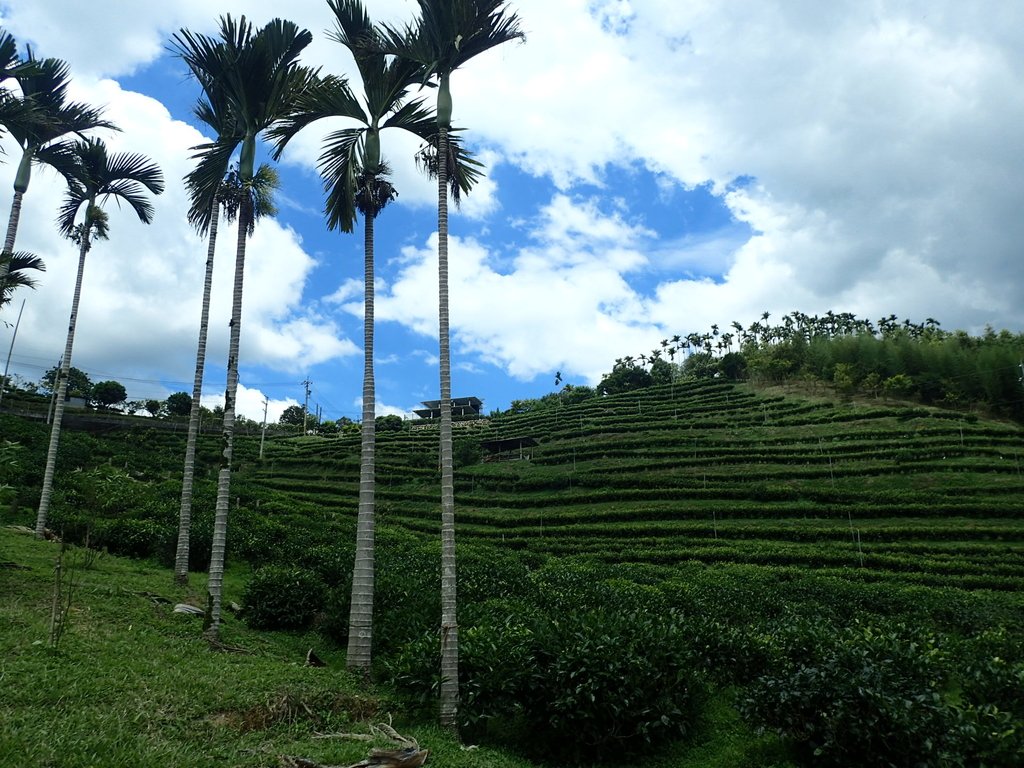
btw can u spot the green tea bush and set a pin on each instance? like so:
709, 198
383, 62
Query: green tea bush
608, 683
581, 687
128, 536
858, 697
282, 597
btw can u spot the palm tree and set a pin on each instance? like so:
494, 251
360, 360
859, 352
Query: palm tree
447, 34
16, 266
215, 113
97, 177
355, 180
13, 108
46, 119
256, 76
229, 196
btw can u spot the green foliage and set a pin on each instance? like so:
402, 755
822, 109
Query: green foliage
389, 423
108, 393
700, 365
79, 383
869, 696
466, 452
178, 404
282, 597
899, 385
625, 376
733, 366
293, 414
567, 649
617, 681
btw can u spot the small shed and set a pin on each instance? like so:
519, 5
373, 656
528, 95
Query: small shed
461, 407
508, 448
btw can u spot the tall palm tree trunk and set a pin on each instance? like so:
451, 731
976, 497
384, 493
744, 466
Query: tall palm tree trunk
449, 693
220, 521
12, 228
62, 389
185, 514
360, 622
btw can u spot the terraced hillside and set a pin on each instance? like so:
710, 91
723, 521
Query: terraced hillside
709, 472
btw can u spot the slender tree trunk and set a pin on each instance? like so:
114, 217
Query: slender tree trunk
62, 388
12, 230
360, 621
220, 521
449, 694
185, 514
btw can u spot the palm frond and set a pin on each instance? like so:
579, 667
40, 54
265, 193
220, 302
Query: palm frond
449, 33
339, 166
328, 96
463, 170
18, 265
203, 182
59, 156
97, 174
49, 115
256, 194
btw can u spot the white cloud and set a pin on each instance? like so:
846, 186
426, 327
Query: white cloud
879, 144
250, 403
142, 288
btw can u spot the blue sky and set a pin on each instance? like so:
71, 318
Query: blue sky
654, 167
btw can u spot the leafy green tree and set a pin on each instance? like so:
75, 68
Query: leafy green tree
293, 415
108, 393
624, 377
448, 34
97, 176
255, 75
179, 404
733, 366
154, 407
845, 378
389, 423
78, 382
899, 385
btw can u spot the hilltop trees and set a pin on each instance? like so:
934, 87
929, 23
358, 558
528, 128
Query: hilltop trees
97, 176
107, 394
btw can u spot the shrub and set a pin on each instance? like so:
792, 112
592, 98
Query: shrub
131, 537
282, 597
618, 683
857, 697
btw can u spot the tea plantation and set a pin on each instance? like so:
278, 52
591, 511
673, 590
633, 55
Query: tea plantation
695, 574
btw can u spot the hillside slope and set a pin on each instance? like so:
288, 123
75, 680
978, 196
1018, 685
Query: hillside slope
710, 472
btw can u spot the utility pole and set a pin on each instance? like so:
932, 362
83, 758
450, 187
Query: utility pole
3, 381
263, 435
305, 404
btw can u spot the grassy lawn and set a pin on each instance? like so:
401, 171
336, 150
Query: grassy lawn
134, 684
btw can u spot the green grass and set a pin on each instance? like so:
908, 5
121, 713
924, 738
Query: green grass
133, 684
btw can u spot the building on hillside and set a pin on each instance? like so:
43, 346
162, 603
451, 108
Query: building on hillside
462, 407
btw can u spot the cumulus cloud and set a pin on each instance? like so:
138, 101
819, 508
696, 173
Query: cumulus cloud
868, 155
